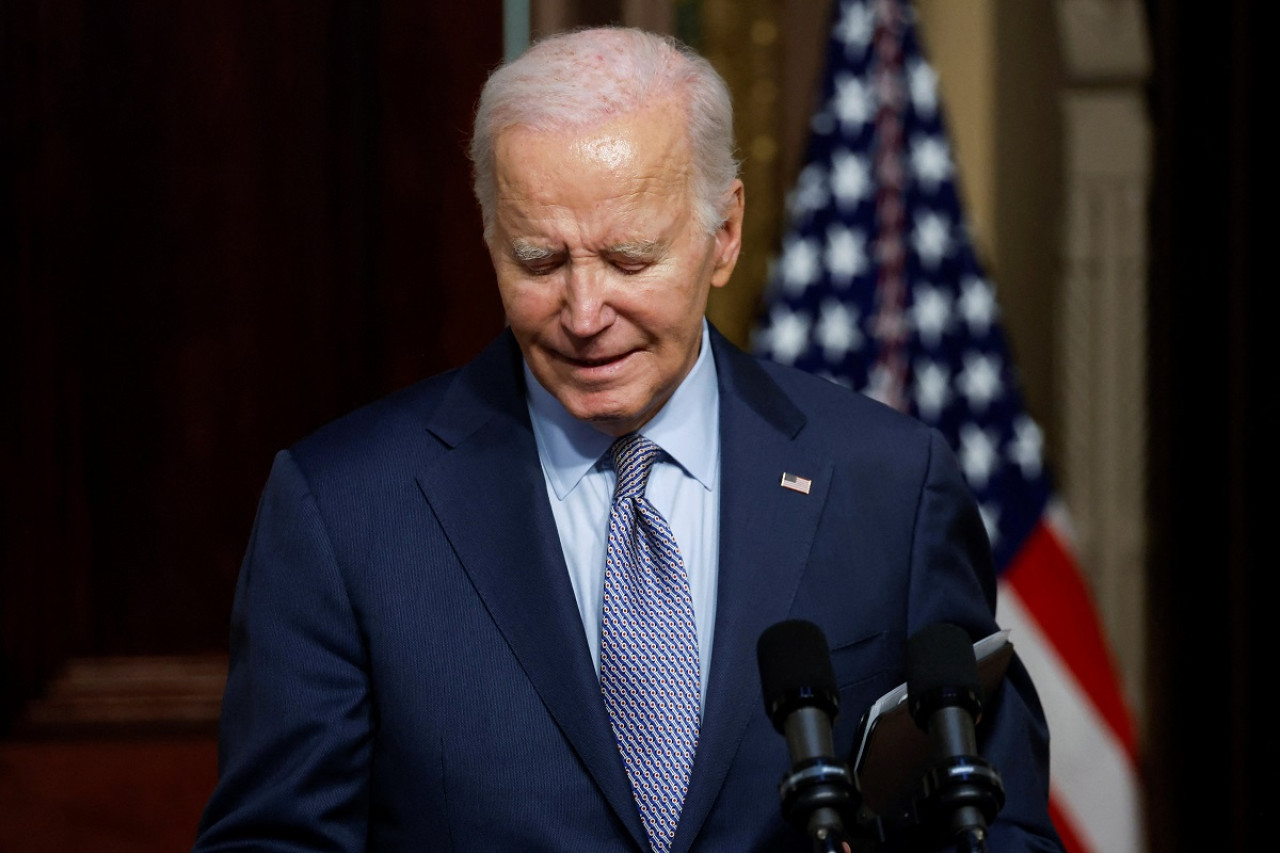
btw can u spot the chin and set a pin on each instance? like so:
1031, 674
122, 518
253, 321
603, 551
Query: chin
612, 412
608, 419
616, 427
612, 422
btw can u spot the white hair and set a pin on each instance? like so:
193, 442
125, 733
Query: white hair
584, 78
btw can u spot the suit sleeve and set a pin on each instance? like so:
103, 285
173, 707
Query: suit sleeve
295, 738
952, 580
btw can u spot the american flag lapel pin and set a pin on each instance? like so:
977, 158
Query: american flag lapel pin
796, 484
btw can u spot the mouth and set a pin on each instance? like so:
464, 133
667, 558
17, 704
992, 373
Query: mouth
597, 368
595, 362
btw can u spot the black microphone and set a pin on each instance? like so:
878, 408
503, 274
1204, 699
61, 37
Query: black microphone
962, 792
802, 700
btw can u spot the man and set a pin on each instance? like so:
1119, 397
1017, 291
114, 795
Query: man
459, 627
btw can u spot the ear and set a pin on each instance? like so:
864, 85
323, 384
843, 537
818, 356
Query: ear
729, 236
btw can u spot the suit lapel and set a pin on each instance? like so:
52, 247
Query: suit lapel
766, 533
489, 496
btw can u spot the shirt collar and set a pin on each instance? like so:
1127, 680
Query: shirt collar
687, 427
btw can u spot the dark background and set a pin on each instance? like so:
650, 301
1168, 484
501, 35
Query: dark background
1212, 749
222, 224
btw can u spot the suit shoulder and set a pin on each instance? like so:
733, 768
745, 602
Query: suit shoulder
831, 407
376, 434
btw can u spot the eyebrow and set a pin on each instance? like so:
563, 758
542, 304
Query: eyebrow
640, 250
522, 250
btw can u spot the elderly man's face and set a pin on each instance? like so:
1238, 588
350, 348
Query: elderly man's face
602, 267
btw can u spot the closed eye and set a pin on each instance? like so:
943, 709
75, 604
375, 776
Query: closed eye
630, 266
632, 258
542, 267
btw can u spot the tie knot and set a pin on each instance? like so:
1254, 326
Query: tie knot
633, 456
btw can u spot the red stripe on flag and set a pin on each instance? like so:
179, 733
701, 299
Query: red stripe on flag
1066, 830
1047, 581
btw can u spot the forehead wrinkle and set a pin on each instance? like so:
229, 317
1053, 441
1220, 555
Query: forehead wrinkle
632, 229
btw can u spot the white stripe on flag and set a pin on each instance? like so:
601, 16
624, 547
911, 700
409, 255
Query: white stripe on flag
1093, 782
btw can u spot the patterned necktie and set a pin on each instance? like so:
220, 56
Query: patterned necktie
649, 672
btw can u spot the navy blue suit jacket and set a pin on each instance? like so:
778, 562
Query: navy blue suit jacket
409, 671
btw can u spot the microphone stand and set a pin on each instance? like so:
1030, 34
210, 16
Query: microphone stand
962, 792
825, 839
943, 795
972, 841
965, 792
802, 700
815, 796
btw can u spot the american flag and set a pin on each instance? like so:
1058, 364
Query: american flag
877, 287
796, 484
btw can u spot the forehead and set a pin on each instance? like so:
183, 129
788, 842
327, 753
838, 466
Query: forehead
627, 162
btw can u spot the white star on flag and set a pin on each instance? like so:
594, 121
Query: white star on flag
846, 254
850, 178
856, 26
851, 102
930, 161
932, 391
1027, 448
980, 381
810, 192
977, 454
880, 384
787, 335
801, 264
837, 330
977, 305
924, 87
932, 237
930, 313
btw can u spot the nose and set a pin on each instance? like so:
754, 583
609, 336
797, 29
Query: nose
586, 311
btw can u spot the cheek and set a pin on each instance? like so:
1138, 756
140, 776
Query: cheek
678, 312
528, 307
669, 303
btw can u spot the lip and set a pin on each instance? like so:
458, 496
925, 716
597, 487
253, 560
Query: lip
597, 369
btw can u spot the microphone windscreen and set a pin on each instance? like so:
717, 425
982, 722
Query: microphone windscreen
794, 663
940, 664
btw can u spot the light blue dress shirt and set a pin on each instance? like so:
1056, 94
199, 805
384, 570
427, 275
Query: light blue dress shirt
684, 486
